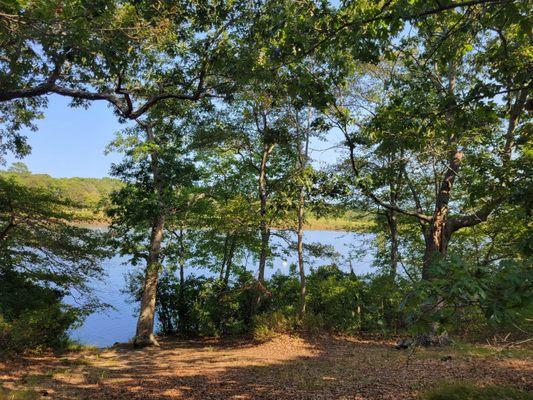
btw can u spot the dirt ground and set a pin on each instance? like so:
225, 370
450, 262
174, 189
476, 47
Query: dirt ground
284, 368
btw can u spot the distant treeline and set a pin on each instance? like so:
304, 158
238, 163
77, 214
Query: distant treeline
86, 193
89, 193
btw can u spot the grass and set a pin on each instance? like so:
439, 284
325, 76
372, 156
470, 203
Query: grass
35, 380
351, 221
26, 394
469, 349
95, 376
76, 347
462, 349
465, 391
74, 362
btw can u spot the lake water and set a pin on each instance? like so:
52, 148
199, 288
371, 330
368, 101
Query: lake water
118, 324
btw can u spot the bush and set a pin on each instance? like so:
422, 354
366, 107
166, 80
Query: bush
335, 295
312, 324
37, 330
203, 306
270, 324
44, 328
32, 317
470, 392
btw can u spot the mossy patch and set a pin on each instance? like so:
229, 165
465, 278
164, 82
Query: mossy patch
470, 392
25, 394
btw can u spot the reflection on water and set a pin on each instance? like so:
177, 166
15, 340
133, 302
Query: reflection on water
118, 324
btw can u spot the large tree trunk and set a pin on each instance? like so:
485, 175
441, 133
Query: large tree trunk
436, 245
438, 234
439, 231
144, 335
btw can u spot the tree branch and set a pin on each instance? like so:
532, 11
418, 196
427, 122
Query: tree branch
39, 90
476, 217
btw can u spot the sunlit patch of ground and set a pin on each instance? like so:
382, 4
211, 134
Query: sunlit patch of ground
284, 368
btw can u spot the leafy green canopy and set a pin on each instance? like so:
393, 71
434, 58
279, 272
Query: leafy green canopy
37, 241
43, 258
129, 54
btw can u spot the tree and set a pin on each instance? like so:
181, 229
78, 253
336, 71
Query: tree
132, 55
36, 240
19, 168
304, 123
158, 178
44, 258
302, 145
379, 162
258, 132
458, 143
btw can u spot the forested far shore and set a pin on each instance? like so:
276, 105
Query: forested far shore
89, 196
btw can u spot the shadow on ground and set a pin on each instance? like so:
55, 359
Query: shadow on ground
284, 368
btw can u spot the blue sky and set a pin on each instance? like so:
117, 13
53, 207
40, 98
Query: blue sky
70, 142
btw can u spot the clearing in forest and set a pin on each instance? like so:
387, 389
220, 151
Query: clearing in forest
283, 368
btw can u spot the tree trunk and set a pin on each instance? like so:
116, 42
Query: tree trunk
394, 257
301, 266
264, 226
224, 257
302, 143
263, 255
229, 262
436, 245
144, 335
439, 231
182, 309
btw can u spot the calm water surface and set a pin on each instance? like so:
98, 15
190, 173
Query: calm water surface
118, 324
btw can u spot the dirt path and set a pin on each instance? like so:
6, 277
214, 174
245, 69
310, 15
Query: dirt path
284, 368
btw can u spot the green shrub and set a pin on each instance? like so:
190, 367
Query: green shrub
44, 328
32, 317
203, 306
312, 324
470, 392
335, 295
37, 330
270, 324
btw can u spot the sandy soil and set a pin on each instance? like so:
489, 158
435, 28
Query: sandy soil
284, 368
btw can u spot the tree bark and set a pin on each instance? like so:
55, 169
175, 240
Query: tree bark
394, 257
439, 232
301, 266
264, 225
229, 262
144, 335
